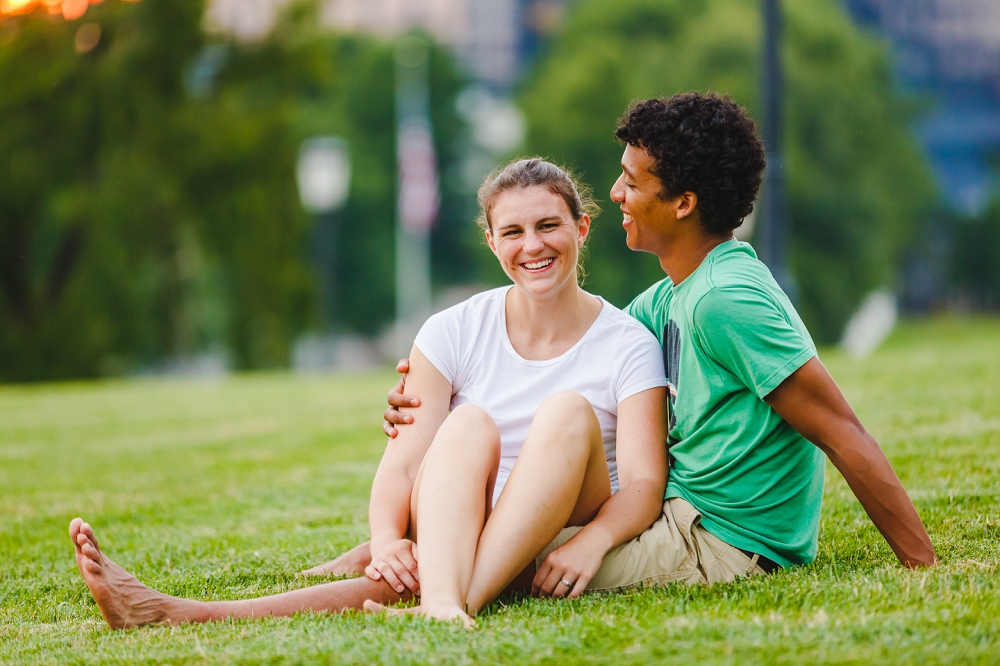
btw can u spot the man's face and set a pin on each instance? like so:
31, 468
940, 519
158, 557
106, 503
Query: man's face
648, 219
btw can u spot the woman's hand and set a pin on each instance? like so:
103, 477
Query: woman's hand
393, 417
575, 562
396, 562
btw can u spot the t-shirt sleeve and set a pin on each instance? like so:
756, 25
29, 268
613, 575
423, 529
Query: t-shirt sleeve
750, 335
639, 361
650, 306
439, 340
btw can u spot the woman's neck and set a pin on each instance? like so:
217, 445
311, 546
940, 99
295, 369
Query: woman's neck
543, 328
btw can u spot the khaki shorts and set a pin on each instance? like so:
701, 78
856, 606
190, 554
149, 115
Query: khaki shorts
676, 549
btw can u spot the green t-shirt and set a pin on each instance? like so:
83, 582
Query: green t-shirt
730, 336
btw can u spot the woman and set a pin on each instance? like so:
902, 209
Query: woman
539, 401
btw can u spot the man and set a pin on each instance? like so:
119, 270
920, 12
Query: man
752, 409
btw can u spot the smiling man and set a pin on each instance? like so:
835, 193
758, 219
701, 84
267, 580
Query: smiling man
752, 409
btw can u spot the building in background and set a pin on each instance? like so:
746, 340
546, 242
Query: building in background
950, 49
494, 38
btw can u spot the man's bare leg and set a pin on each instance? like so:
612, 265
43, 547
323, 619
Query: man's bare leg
350, 563
125, 602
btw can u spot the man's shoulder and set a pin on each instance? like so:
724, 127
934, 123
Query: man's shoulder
651, 301
734, 282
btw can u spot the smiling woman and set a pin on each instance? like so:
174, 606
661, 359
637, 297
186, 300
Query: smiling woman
537, 173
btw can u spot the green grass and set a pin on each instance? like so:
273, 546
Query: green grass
226, 489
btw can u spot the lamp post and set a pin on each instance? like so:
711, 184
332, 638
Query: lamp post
773, 228
418, 196
324, 177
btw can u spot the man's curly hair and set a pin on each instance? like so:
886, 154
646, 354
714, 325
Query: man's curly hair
704, 144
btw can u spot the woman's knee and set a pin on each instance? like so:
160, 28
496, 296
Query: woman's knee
570, 413
470, 425
568, 406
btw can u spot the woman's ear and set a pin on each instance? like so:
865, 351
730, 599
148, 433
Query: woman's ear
489, 241
583, 229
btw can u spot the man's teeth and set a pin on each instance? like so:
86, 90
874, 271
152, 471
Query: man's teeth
532, 265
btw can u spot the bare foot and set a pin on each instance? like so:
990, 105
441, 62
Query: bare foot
440, 613
353, 562
123, 600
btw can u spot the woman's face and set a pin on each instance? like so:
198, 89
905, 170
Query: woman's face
537, 240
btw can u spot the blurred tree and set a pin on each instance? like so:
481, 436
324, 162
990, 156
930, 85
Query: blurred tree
857, 182
975, 256
148, 206
90, 215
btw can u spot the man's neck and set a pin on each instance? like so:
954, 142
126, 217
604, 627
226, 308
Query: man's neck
682, 257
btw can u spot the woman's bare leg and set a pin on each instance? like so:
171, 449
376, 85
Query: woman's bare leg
451, 501
125, 602
560, 478
352, 562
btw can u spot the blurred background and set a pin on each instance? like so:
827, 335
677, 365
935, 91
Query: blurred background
203, 187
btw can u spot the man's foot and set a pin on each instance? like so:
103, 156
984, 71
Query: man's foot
123, 600
351, 563
440, 613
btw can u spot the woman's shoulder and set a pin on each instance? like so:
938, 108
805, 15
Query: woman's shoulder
474, 307
625, 323
465, 318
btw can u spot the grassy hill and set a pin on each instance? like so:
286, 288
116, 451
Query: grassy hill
224, 489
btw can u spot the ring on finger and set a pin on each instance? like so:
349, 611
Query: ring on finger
566, 583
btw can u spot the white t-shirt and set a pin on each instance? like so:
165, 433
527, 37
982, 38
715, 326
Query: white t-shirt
468, 343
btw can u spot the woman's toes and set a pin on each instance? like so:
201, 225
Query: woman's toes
373, 606
92, 566
86, 529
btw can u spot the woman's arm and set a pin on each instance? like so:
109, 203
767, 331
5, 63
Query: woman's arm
642, 478
389, 508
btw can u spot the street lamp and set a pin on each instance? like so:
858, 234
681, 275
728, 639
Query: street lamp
324, 176
774, 219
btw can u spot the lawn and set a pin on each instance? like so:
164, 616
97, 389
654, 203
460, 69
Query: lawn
224, 489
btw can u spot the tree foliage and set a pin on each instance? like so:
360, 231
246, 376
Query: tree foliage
148, 206
857, 183
975, 256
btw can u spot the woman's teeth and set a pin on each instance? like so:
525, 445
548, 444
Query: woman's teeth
532, 265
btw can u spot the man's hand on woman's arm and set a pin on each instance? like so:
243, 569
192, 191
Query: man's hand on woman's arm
810, 401
393, 417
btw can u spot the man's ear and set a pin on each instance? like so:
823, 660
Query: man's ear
686, 204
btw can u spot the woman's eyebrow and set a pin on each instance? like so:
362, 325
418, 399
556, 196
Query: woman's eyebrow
514, 225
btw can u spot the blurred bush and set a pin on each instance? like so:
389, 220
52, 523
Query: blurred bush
148, 207
858, 184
